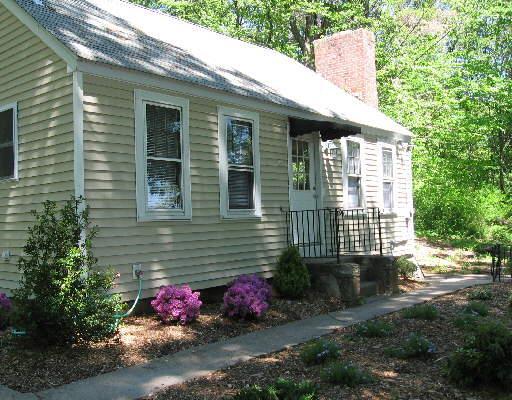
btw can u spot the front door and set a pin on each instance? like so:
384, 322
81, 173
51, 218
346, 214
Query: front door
304, 199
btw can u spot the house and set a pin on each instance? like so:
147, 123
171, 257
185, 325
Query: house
197, 153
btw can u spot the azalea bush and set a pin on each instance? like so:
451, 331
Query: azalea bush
5, 308
247, 297
174, 303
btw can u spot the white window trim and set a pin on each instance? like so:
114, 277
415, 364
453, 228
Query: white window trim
14, 107
380, 169
361, 142
223, 114
143, 213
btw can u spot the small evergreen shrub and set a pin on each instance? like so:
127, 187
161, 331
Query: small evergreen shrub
5, 309
476, 308
63, 297
374, 329
485, 358
481, 293
319, 351
345, 374
467, 322
292, 276
283, 389
415, 346
247, 297
406, 268
173, 303
427, 312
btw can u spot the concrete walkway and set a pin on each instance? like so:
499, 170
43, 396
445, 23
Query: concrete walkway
138, 381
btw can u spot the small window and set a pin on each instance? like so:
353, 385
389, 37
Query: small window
354, 193
8, 139
387, 178
239, 163
300, 164
163, 181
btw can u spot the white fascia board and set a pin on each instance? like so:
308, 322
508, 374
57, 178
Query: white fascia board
185, 88
46, 37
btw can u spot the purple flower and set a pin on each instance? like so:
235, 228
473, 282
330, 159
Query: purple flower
248, 296
173, 303
5, 303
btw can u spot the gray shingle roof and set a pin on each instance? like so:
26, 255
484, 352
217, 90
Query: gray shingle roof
122, 34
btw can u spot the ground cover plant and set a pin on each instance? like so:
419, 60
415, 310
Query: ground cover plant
319, 352
345, 374
427, 312
415, 346
282, 389
375, 328
480, 294
476, 308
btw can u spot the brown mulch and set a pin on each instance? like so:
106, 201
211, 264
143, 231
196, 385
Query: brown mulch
27, 369
396, 378
410, 285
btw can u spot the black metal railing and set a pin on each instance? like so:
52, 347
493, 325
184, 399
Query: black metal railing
501, 261
332, 232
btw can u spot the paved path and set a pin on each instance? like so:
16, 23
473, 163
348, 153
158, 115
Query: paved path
138, 381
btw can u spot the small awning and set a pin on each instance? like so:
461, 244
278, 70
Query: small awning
328, 130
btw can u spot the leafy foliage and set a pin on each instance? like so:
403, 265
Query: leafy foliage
173, 303
283, 389
247, 297
406, 268
485, 357
345, 374
477, 308
63, 297
427, 312
481, 293
415, 346
5, 309
292, 276
319, 351
374, 329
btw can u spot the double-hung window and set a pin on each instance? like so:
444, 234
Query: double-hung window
8, 142
353, 174
388, 177
239, 163
163, 157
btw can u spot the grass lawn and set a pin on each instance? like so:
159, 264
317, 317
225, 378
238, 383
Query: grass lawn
394, 377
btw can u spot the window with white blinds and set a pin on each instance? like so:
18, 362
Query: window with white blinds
388, 178
8, 152
353, 173
239, 163
163, 176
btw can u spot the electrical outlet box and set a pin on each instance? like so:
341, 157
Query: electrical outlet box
6, 255
136, 269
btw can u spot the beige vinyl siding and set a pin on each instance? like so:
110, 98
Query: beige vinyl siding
33, 76
204, 252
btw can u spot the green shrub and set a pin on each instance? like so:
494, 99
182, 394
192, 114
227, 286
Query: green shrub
319, 351
283, 389
63, 297
345, 374
414, 347
405, 267
292, 276
467, 322
476, 308
510, 301
485, 357
423, 311
374, 329
481, 293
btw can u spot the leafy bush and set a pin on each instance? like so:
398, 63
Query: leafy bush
63, 297
5, 309
467, 322
283, 389
406, 268
423, 311
415, 346
476, 308
248, 296
173, 303
374, 329
345, 374
292, 276
485, 357
319, 351
481, 293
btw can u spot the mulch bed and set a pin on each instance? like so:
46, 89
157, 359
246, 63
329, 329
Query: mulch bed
140, 339
396, 378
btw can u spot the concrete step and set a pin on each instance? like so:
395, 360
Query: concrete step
368, 288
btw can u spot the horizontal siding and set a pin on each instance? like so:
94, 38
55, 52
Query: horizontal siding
33, 76
204, 252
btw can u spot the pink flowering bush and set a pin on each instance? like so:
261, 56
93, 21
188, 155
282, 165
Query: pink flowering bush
5, 308
174, 303
248, 296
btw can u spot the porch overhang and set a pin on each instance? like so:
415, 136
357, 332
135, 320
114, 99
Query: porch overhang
328, 130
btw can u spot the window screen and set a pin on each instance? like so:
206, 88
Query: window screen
353, 170
7, 143
387, 178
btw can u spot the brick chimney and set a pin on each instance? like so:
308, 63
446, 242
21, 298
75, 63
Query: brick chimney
347, 59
